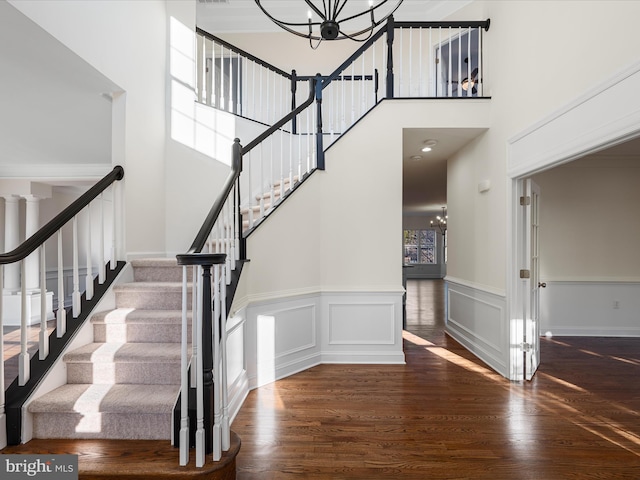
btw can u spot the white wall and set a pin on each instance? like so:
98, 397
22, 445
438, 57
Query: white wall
589, 247
551, 46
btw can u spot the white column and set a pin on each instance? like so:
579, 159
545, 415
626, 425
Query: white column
11, 241
32, 224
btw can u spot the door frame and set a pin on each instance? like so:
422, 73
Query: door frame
600, 118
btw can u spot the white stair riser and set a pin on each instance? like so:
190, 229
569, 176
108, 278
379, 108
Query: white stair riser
139, 333
134, 426
150, 300
124, 372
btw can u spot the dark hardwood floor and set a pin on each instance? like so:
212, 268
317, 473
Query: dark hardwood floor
443, 415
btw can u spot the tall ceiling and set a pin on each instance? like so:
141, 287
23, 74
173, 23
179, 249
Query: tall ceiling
217, 16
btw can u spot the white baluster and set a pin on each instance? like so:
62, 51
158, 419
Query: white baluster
223, 98
400, 71
3, 416
363, 89
459, 89
200, 67
184, 377
238, 96
112, 257
89, 277
353, 102
410, 60
195, 308
23, 358
469, 56
373, 70
200, 439
272, 191
236, 210
430, 64
213, 99
222, 368
61, 315
343, 126
101, 265
299, 134
479, 80
75, 298
231, 82
217, 446
450, 86
43, 341
420, 79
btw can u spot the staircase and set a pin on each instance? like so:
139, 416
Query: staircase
125, 384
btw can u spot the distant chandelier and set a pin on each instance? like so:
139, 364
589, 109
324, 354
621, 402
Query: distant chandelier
441, 221
330, 26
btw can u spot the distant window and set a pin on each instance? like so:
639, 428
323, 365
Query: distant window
420, 247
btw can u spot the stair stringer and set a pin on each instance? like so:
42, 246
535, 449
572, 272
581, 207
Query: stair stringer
57, 375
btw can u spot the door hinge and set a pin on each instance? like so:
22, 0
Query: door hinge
525, 273
525, 201
526, 347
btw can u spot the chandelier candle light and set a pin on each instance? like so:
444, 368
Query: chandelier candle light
441, 221
335, 21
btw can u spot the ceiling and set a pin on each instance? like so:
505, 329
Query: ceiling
218, 16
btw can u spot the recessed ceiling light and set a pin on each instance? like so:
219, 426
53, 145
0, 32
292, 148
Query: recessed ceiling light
416, 158
426, 149
428, 145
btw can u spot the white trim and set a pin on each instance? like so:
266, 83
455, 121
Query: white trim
68, 171
581, 127
476, 286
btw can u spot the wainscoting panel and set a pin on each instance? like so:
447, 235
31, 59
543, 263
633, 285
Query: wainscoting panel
237, 382
477, 319
287, 335
281, 338
359, 324
362, 327
594, 308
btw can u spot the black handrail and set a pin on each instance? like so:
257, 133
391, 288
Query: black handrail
284, 120
34, 241
236, 168
253, 58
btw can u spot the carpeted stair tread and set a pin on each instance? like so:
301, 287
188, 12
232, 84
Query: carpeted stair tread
125, 352
119, 398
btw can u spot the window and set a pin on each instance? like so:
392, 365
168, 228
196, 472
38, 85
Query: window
420, 247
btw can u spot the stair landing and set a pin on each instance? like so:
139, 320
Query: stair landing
133, 459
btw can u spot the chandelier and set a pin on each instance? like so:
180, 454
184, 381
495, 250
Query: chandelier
441, 221
330, 20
